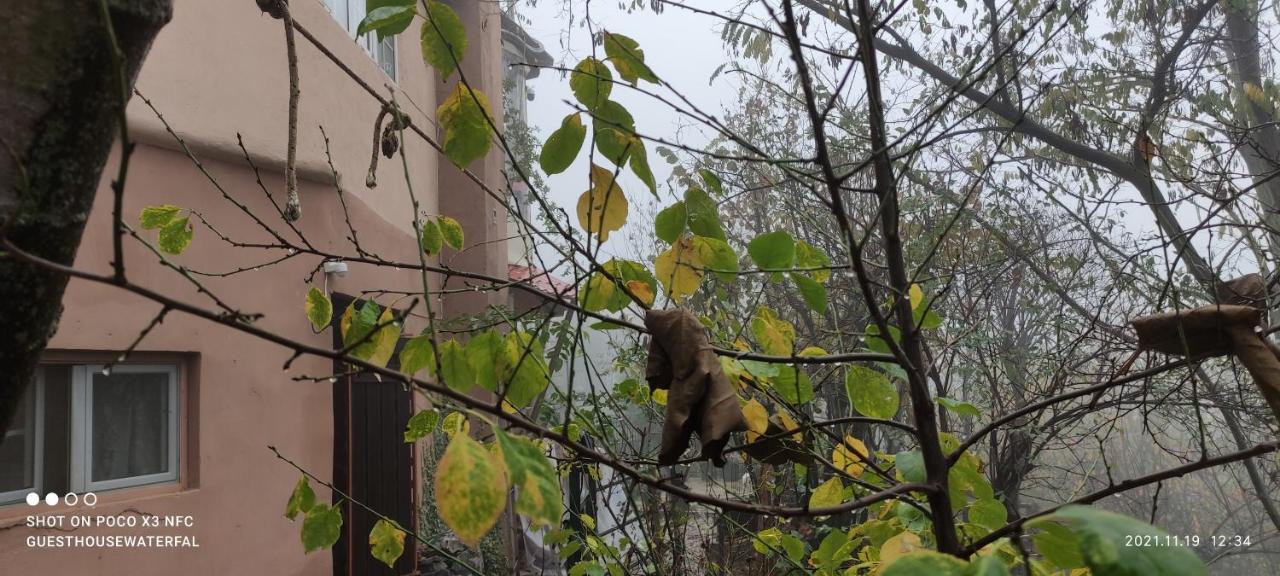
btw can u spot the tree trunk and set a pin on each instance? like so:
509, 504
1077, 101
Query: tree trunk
1260, 140
59, 112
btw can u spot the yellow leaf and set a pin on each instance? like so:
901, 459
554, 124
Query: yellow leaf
598, 292
603, 208
917, 296
345, 323
470, 489
386, 542
660, 396
775, 335
1256, 94
827, 494
319, 308
897, 547
455, 422
641, 290
385, 339
757, 419
813, 351
679, 269
846, 456
464, 117
789, 423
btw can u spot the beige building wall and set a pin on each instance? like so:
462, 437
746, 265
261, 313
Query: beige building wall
217, 70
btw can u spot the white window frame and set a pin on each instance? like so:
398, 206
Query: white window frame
82, 427
349, 13
35, 423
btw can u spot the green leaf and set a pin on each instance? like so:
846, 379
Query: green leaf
482, 353
615, 132
834, 550
668, 225
386, 542
587, 568
911, 517
321, 527
563, 145
176, 235
876, 342
716, 255
923, 562
464, 117
793, 385
454, 368
960, 407
926, 318
357, 327
704, 219
767, 540
358, 321
635, 277
591, 82
1058, 544
470, 488
628, 58
814, 294
153, 217
870, 392
809, 257
1103, 537
522, 365
432, 239
534, 477
794, 546
421, 425
451, 230
773, 250
711, 180
827, 494
989, 513
966, 472
386, 20
775, 335
595, 296
301, 500
987, 566
418, 353
319, 309
640, 166
444, 41
910, 465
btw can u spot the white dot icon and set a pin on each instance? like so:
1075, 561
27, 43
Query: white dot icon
51, 499
33, 499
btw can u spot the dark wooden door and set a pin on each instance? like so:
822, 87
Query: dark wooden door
373, 464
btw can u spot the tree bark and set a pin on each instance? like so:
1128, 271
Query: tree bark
1260, 137
60, 104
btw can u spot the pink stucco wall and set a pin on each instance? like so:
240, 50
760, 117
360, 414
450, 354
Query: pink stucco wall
217, 70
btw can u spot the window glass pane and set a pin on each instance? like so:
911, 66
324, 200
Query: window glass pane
130, 435
355, 13
17, 453
339, 10
387, 56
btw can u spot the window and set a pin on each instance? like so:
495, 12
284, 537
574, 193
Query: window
349, 13
82, 429
19, 466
